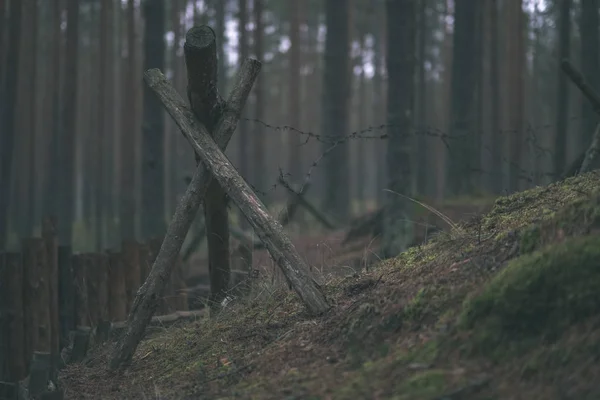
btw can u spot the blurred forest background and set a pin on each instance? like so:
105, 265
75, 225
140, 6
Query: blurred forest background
441, 100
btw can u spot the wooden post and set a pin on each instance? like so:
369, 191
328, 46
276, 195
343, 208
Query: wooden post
145, 263
80, 290
117, 295
97, 291
36, 299
131, 266
51, 243
13, 360
266, 227
145, 303
152, 249
200, 51
65, 294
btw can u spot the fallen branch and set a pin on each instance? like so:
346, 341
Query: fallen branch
266, 227
147, 297
591, 153
319, 216
584, 161
579, 81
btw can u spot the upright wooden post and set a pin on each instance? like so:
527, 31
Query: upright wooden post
13, 360
97, 289
36, 304
80, 290
145, 303
66, 303
117, 295
131, 266
51, 243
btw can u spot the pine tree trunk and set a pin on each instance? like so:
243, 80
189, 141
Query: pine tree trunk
336, 85
562, 105
401, 31
127, 207
153, 179
590, 66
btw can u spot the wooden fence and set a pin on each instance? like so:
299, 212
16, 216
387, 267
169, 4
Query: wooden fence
51, 299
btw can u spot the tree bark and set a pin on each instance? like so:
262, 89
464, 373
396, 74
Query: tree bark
590, 64
12, 343
400, 65
146, 301
66, 177
8, 115
294, 167
463, 153
266, 227
496, 175
153, 177
207, 105
562, 110
259, 139
127, 208
335, 108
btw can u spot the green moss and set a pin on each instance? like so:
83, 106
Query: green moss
423, 385
536, 296
530, 239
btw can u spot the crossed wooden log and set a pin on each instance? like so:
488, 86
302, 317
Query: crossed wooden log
209, 150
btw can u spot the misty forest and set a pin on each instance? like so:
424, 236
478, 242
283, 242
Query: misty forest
299, 199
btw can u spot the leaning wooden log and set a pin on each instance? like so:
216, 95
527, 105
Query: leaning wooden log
579, 81
266, 227
591, 153
319, 216
585, 161
146, 301
12, 362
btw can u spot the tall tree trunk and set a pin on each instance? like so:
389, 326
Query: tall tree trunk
515, 90
105, 120
562, 111
220, 24
49, 205
335, 108
463, 156
294, 111
153, 179
65, 190
243, 51
378, 102
3, 9
8, 115
127, 206
496, 142
422, 151
590, 65
401, 30
29, 116
260, 168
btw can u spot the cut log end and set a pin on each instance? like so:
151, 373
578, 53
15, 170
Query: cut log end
200, 37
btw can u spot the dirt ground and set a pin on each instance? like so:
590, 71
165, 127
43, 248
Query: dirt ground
504, 306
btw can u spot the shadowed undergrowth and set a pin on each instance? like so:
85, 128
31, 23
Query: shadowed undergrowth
504, 310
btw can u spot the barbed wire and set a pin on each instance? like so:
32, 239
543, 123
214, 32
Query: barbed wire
531, 139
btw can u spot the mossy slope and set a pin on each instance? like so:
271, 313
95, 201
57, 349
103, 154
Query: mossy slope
502, 309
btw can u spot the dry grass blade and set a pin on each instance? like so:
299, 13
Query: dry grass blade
441, 215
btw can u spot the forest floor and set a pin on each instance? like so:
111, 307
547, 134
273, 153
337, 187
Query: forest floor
505, 306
